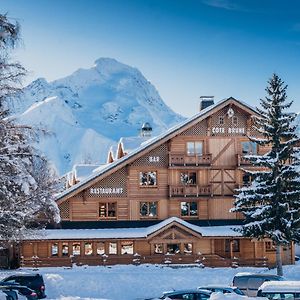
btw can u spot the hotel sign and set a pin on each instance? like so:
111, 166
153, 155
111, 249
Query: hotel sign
230, 130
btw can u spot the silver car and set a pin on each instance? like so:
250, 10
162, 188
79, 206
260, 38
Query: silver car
249, 283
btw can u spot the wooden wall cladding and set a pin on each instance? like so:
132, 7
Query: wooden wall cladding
155, 158
223, 151
219, 208
112, 186
200, 129
135, 190
229, 126
89, 210
64, 209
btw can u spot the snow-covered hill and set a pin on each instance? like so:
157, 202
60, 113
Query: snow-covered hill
87, 112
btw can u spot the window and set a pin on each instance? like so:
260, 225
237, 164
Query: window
107, 210
65, 249
158, 248
188, 178
249, 148
100, 248
127, 247
221, 120
247, 179
148, 179
235, 120
54, 249
76, 248
270, 246
173, 248
112, 249
189, 209
148, 209
188, 248
194, 148
88, 248
235, 245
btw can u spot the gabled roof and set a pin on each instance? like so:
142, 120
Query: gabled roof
152, 143
125, 233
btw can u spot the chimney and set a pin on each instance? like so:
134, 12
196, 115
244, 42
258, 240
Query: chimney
206, 101
146, 130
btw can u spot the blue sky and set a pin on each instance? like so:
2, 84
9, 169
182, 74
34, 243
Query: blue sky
185, 48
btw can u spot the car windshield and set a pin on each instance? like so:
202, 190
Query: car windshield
238, 291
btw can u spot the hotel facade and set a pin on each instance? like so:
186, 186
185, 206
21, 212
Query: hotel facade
166, 201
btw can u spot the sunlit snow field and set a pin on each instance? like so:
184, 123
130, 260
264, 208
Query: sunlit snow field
126, 282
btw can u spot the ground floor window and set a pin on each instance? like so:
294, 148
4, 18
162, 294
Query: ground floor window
88, 248
112, 249
158, 248
148, 209
127, 247
107, 210
189, 209
76, 248
173, 248
54, 249
235, 245
100, 246
65, 249
270, 246
188, 248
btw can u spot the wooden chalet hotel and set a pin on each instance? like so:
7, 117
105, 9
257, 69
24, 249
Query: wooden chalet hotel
163, 199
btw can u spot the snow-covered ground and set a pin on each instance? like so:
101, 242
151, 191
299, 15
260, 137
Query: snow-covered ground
126, 282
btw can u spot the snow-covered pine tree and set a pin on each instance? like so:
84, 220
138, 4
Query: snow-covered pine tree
271, 204
26, 185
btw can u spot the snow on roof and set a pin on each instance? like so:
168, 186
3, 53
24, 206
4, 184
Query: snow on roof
281, 286
132, 142
82, 171
147, 144
123, 233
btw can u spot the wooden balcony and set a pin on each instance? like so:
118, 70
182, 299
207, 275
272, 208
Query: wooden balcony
242, 161
181, 159
189, 190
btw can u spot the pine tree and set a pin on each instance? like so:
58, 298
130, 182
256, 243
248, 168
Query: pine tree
26, 184
271, 204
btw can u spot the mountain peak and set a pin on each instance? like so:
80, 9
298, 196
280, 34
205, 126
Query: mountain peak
106, 66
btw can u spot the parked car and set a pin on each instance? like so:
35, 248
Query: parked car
32, 281
22, 290
249, 283
194, 294
8, 293
280, 290
222, 289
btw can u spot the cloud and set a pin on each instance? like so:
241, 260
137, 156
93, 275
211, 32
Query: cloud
223, 4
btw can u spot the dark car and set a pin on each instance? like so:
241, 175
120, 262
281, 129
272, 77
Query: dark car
32, 281
8, 293
187, 295
22, 290
222, 289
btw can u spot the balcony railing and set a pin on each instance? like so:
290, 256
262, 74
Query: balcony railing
189, 160
189, 190
242, 161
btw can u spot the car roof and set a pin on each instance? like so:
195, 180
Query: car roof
187, 291
217, 287
246, 274
24, 275
280, 286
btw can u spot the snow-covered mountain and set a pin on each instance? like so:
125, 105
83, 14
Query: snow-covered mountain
87, 112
